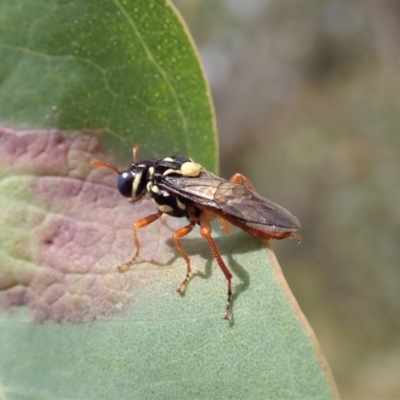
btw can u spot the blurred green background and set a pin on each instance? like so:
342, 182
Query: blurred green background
307, 96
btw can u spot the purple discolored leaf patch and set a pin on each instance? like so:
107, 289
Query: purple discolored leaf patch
65, 228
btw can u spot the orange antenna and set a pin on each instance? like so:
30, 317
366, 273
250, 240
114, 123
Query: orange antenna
135, 152
99, 164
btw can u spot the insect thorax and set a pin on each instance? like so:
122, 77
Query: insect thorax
165, 201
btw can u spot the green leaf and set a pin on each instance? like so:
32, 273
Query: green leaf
124, 68
72, 326
165, 346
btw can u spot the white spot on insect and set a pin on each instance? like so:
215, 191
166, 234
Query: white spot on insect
151, 172
191, 168
180, 204
168, 159
141, 165
164, 193
155, 189
148, 186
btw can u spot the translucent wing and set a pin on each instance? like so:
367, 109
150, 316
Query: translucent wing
234, 202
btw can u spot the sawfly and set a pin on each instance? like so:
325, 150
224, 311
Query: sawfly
179, 187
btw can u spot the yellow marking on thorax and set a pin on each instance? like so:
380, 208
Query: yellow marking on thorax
191, 168
171, 171
151, 172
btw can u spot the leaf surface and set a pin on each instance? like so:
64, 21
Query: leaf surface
82, 81
124, 68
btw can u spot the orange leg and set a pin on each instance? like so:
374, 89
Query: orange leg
225, 225
241, 179
205, 232
138, 225
180, 233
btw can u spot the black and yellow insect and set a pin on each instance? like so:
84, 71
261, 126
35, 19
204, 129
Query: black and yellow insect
179, 187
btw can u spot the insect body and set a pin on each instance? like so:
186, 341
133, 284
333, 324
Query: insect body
179, 187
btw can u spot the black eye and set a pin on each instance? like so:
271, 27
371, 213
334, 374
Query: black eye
124, 183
